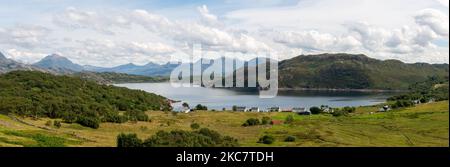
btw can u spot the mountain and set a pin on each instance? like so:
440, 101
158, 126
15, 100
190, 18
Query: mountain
58, 63
350, 71
7, 65
115, 78
342, 71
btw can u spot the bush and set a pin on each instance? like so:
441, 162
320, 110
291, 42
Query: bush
128, 140
349, 109
402, 103
315, 110
251, 122
290, 139
179, 138
289, 119
57, 124
195, 126
339, 112
200, 107
266, 120
266, 139
89, 122
48, 123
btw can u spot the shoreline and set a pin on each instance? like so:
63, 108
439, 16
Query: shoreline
343, 90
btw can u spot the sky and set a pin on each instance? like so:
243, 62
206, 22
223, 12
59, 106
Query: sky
113, 32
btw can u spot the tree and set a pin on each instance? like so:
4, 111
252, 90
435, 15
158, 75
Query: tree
128, 140
201, 107
315, 110
234, 108
266, 139
251, 122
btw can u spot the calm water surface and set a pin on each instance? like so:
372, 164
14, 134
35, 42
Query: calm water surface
220, 98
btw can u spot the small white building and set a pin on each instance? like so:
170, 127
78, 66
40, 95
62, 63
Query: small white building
241, 109
254, 109
301, 111
274, 109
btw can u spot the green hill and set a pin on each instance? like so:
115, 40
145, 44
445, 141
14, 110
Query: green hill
112, 77
36, 94
346, 71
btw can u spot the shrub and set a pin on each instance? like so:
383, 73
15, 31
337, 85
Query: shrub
200, 107
290, 139
128, 140
289, 119
266, 120
251, 122
179, 138
266, 139
48, 123
234, 108
57, 124
315, 110
89, 122
339, 112
349, 109
195, 126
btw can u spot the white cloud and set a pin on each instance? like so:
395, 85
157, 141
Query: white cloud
381, 29
25, 36
434, 19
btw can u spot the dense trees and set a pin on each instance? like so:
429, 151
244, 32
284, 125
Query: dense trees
315, 110
74, 100
179, 138
434, 88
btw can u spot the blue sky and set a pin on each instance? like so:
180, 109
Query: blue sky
113, 32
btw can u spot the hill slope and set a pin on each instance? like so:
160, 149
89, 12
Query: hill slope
342, 71
36, 94
7, 65
114, 78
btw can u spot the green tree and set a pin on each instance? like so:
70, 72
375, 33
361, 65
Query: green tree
128, 140
315, 110
266, 139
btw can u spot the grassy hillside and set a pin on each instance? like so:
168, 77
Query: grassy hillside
36, 94
422, 125
112, 77
353, 71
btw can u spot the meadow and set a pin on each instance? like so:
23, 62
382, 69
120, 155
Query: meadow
422, 125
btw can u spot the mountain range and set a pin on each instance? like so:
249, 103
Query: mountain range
328, 71
354, 71
7, 65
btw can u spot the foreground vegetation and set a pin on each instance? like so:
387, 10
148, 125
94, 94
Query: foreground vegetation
422, 125
37, 95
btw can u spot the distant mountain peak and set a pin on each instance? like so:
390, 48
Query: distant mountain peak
2, 57
58, 62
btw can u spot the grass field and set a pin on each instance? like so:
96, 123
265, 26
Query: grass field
423, 125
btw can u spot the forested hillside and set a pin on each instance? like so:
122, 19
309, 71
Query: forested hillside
341, 71
37, 94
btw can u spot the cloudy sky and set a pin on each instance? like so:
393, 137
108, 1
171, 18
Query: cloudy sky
113, 32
